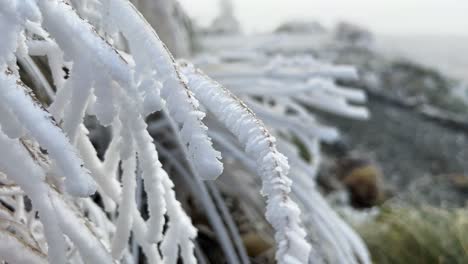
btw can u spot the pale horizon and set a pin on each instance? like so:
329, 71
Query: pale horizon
398, 17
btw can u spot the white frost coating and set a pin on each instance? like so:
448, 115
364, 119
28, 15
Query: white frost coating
31, 179
333, 104
54, 55
108, 184
308, 67
153, 60
10, 190
72, 34
105, 106
193, 133
15, 251
127, 205
102, 58
9, 123
288, 89
110, 188
81, 90
122, 90
62, 98
161, 197
180, 232
38, 122
281, 211
134, 128
152, 174
296, 124
74, 226
329, 86
10, 29
103, 69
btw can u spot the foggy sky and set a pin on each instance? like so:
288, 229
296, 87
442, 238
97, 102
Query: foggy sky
446, 17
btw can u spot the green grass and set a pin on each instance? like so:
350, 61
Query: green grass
417, 235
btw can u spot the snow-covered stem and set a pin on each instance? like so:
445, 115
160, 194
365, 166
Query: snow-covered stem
127, 206
15, 95
199, 187
282, 212
37, 190
14, 250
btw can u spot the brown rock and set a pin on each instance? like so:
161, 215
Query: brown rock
460, 181
256, 244
363, 180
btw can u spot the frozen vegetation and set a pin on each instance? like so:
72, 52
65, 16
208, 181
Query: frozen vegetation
63, 62
114, 150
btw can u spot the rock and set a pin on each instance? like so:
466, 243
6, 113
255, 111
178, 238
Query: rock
256, 244
459, 181
353, 34
312, 27
363, 180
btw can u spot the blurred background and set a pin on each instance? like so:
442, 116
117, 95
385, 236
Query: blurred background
367, 100
433, 32
404, 170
